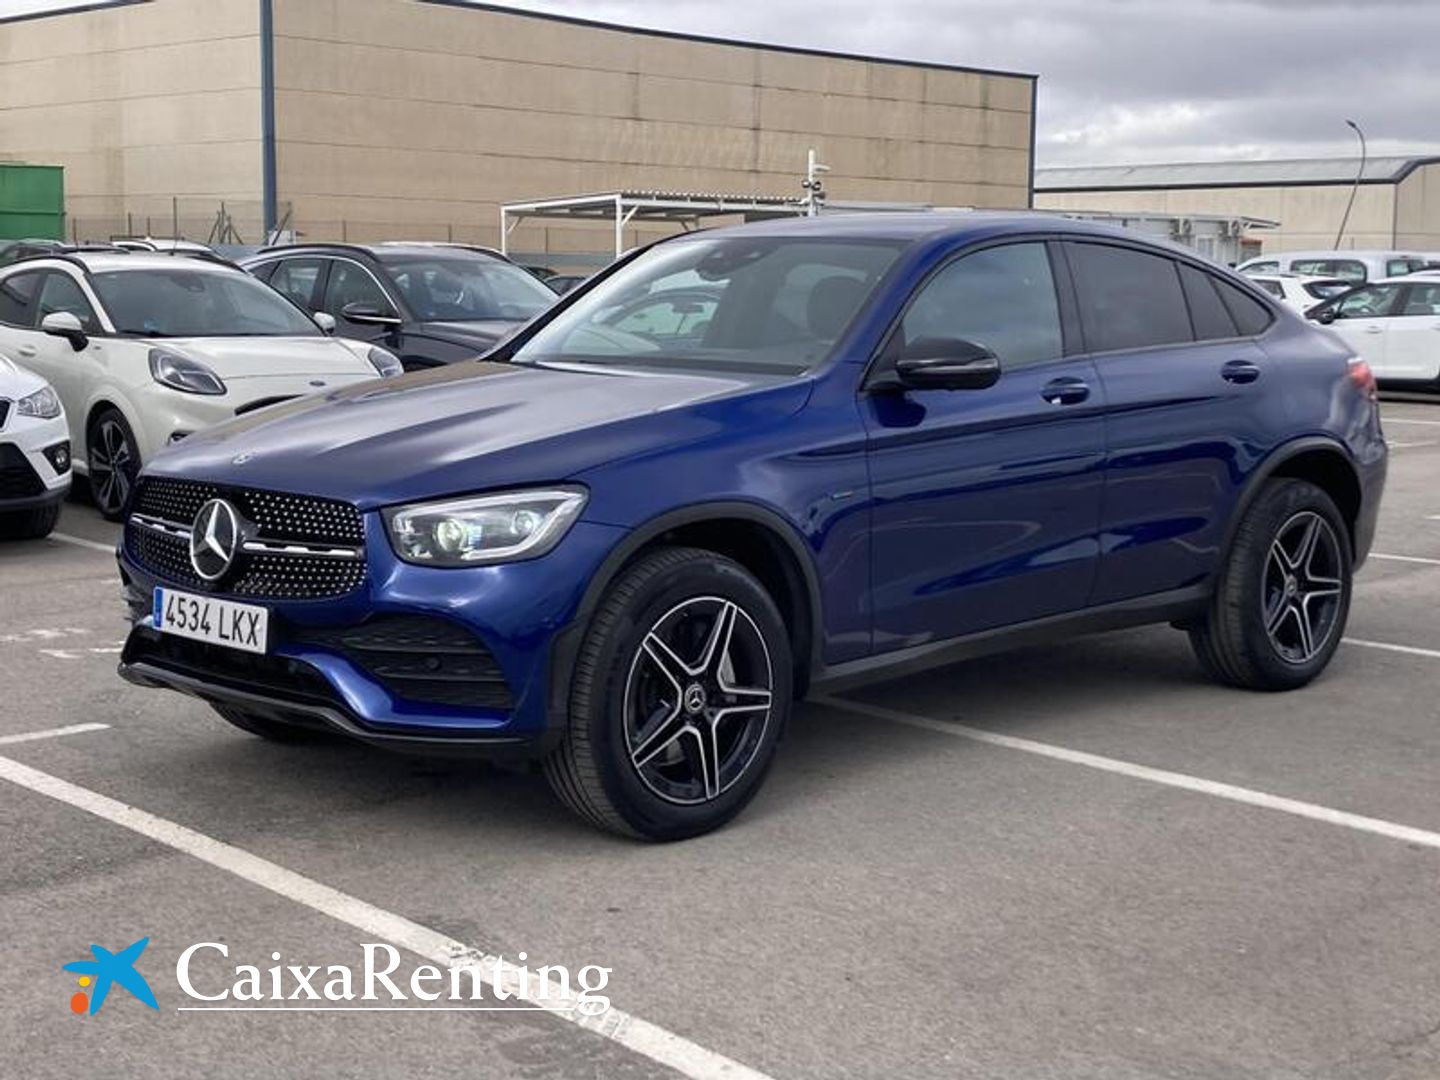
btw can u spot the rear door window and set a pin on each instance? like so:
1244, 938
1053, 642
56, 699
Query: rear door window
17, 299
1129, 299
1208, 313
1250, 315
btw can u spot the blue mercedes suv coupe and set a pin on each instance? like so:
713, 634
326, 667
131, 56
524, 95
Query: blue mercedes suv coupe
746, 463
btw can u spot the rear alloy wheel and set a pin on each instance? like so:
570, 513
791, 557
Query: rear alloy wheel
681, 691
1283, 595
114, 463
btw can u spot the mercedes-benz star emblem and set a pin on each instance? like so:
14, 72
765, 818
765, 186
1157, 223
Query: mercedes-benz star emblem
214, 539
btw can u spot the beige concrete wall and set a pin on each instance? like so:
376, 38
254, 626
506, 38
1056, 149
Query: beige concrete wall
141, 104
398, 118
1417, 210
1309, 216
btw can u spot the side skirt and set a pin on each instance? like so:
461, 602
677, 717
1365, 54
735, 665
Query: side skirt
1177, 606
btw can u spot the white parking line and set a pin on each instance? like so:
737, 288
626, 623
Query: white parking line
80, 541
1405, 558
1379, 827
1412, 445
1406, 420
641, 1036
1409, 650
52, 733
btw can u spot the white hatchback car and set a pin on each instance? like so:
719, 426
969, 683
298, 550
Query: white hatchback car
144, 349
1393, 325
1299, 291
34, 453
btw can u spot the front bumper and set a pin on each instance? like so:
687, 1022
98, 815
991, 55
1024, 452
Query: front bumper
515, 612
29, 451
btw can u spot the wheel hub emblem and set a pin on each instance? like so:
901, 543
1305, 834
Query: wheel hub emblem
695, 699
214, 539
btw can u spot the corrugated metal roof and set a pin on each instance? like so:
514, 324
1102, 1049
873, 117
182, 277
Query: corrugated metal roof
1378, 170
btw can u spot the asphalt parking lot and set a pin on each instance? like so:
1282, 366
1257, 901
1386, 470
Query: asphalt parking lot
1083, 861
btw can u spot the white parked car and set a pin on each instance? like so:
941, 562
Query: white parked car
1354, 266
144, 349
1300, 292
34, 453
1393, 325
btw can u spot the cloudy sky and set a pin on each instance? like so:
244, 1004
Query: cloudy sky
1128, 80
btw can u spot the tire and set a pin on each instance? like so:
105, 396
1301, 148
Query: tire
1283, 593
113, 458
30, 524
265, 728
631, 696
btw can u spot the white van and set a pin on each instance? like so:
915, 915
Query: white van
1356, 266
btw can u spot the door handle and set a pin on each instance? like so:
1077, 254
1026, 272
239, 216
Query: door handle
1240, 371
26, 350
1067, 390
1374, 329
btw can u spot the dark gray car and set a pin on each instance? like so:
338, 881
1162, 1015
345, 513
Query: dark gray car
430, 304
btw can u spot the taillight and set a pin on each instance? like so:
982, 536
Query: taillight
1364, 378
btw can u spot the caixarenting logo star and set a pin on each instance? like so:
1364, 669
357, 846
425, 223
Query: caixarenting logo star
106, 970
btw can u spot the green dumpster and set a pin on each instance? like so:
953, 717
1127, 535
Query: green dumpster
32, 201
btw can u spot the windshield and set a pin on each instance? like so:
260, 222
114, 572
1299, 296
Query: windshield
742, 303
461, 288
198, 303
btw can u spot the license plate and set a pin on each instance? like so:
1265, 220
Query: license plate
207, 618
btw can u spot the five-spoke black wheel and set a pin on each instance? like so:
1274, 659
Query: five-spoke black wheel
114, 462
680, 692
1283, 592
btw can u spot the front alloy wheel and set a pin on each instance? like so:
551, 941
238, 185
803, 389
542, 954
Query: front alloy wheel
680, 692
114, 462
697, 700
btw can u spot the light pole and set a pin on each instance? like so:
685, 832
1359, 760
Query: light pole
1354, 187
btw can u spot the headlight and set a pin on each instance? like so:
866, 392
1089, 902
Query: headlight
179, 372
42, 404
485, 529
385, 362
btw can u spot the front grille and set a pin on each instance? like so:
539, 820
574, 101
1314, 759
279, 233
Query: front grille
420, 659
4, 412
17, 479
278, 517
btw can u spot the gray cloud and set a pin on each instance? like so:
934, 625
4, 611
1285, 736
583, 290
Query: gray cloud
1134, 80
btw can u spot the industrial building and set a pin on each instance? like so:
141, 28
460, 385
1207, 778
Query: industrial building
380, 119
1397, 203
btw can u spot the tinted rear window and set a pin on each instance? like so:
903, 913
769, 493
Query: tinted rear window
1128, 299
1250, 315
1211, 318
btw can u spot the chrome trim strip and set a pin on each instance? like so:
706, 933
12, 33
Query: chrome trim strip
263, 547
160, 525
253, 547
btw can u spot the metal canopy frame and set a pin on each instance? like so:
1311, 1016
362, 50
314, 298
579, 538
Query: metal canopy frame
686, 209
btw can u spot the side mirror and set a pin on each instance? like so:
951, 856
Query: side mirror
1326, 317
369, 315
325, 321
946, 364
67, 325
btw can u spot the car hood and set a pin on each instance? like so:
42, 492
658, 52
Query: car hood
17, 382
467, 427
256, 357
